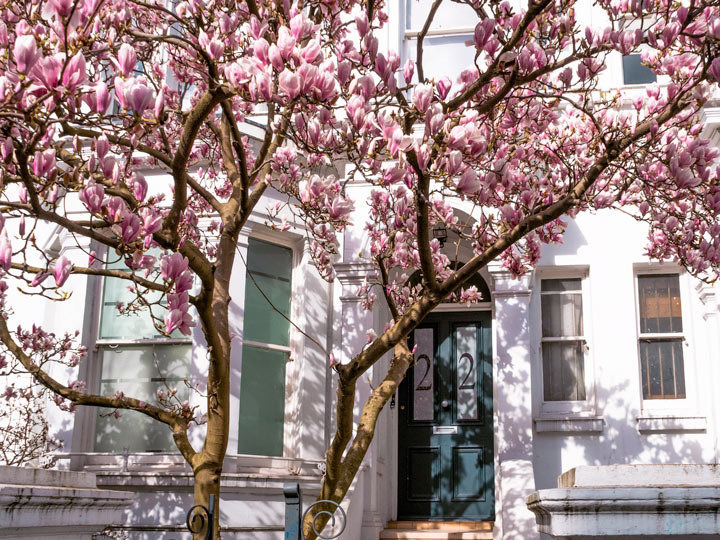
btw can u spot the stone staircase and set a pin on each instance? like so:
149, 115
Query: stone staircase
438, 530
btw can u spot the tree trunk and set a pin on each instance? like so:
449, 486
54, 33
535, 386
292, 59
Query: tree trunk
207, 482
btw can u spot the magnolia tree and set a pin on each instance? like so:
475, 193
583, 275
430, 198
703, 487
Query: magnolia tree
92, 92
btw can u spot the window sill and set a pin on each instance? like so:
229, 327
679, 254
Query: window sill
577, 424
650, 424
140, 463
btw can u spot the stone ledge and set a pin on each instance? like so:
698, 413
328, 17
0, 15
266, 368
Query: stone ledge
588, 424
54, 510
229, 481
615, 476
627, 512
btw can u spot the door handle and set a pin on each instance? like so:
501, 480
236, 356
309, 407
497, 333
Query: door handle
445, 404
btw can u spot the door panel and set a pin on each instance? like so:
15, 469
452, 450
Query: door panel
445, 462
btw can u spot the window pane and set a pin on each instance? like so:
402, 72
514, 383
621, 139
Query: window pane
262, 402
271, 268
663, 370
114, 325
444, 55
634, 72
467, 372
424, 375
139, 372
564, 371
562, 315
457, 16
660, 307
561, 285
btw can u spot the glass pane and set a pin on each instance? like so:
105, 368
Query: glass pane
139, 372
262, 402
663, 370
424, 375
564, 371
444, 55
466, 380
457, 16
634, 72
271, 268
660, 306
561, 285
113, 325
562, 315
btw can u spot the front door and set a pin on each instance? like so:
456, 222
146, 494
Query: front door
445, 454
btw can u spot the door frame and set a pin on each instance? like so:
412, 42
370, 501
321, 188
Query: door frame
395, 424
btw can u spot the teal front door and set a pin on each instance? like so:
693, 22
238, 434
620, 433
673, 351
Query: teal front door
445, 454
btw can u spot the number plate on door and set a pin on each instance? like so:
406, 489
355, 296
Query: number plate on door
445, 430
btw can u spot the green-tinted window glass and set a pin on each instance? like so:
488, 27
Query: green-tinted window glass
114, 325
271, 268
262, 387
139, 371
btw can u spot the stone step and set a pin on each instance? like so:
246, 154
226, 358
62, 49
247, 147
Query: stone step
410, 534
442, 525
438, 530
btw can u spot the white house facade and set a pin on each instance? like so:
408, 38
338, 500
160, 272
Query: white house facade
598, 357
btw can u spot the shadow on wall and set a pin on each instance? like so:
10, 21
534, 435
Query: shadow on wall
619, 443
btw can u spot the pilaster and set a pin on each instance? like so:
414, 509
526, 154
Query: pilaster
514, 479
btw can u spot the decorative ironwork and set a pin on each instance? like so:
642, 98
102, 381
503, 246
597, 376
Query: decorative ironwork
199, 518
330, 515
295, 517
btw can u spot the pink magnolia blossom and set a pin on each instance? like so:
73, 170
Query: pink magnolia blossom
179, 320
92, 197
422, 96
172, 266
126, 59
63, 268
5, 251
75, 72
25, 52
289, 84
408, 70
139, 187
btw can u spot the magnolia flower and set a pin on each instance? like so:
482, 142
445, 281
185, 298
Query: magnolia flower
102, 146
75, 72
126, 59
102, 98
178, 320
285, 42
26, 52
469, 183
5, 251
289, 84
408, 71
422, 96
172, 266
62, 270
47, 70
92, 196
139, 187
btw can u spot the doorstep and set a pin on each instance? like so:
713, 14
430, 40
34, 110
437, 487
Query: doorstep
438, 530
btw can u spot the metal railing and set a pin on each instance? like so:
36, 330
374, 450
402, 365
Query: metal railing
295, 517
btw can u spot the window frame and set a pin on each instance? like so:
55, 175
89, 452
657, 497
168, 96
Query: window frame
99, 344
575, 408
294, 352
654, 407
